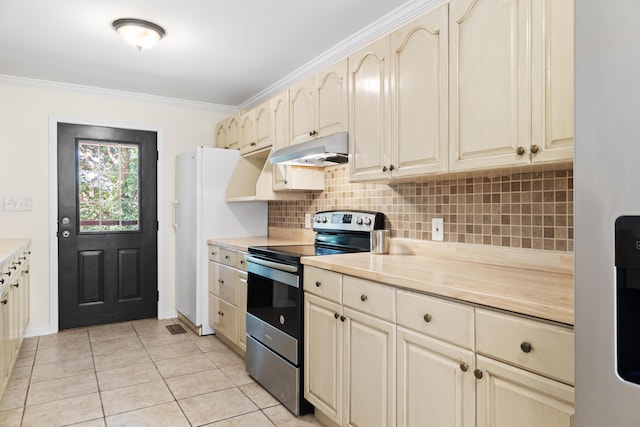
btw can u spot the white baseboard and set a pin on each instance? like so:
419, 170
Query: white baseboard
171, 314
36, 331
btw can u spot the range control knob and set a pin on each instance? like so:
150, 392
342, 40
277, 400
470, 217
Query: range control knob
367, 221
359, 220
323, 219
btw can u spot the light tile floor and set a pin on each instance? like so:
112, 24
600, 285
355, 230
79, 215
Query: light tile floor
136, 374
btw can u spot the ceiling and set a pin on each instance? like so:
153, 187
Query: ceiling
224, 52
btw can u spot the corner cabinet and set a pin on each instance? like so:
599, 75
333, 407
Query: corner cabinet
515, 105
398, 98
377, 355
228, 296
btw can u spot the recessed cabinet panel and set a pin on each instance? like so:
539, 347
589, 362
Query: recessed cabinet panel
332, 99
221, 134
301, 111
233, 140
490, 99
369, 118
420, 95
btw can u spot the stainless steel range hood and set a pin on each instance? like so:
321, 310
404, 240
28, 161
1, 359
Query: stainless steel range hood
328, 150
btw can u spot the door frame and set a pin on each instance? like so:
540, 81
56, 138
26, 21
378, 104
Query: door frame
53, 214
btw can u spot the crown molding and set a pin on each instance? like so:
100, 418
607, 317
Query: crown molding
135, 96
351, 44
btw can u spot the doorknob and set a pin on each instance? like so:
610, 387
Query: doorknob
65, 221
66, 233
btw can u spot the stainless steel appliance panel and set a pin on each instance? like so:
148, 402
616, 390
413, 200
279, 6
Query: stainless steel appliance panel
283, 344
274, 373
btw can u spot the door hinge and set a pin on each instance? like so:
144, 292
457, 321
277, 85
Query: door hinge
157, 295
157, 225
157, 155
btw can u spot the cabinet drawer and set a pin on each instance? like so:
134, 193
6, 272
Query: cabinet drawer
435, 317
225, 256
368, 297
323, 283
536, 346
223, 282
223, 317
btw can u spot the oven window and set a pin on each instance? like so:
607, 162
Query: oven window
274, 302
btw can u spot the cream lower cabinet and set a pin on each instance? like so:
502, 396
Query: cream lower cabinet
508, 396
228, 295
14, 310
376, 355
349, 349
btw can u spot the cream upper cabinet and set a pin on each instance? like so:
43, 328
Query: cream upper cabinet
263, 134
233, 137
221, 134
509, 396
255, 128
369, 111
490, 81
552, 131
318, 105
280, 134
302, 111
511, 80
332, 100
419, 96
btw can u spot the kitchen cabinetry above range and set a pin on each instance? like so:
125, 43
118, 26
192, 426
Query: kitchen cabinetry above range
398, 102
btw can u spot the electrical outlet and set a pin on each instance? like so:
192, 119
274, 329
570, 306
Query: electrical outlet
437, 229
307, 220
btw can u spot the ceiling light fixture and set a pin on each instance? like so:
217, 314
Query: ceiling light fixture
138, 33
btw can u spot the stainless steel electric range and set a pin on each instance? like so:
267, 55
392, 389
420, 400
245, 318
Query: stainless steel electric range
275, 309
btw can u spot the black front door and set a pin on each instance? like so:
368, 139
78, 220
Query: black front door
107, 225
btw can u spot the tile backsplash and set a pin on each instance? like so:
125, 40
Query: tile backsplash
524, 208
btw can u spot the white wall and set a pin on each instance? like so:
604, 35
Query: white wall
25, 112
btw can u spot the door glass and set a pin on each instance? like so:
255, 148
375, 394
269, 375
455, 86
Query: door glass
108, 187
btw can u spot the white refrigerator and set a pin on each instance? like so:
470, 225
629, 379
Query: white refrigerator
607, 213
200, 213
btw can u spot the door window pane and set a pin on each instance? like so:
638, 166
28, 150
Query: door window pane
108, 186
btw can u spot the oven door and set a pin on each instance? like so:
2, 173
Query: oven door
274, 301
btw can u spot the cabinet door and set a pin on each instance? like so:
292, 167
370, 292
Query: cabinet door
5, 344
246, 130
420, 94
323, 364
370, 377
262, 126
221, 134
233, 138
369, 113
552, 68
332, 99
242, 311
490, 81
223, 317
436, 386
302, 111
508, 396
280, 130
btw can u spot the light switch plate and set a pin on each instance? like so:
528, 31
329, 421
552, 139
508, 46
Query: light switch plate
18, 203
307, 220
437, 229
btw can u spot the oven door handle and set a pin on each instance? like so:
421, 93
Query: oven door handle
271, 264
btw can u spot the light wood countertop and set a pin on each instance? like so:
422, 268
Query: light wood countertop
541, 294
242, 243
